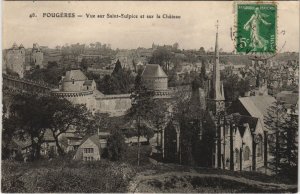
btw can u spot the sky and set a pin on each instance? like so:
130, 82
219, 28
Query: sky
195, 28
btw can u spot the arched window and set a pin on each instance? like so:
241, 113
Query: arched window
247, 153
237, 156
259, 146
227, 163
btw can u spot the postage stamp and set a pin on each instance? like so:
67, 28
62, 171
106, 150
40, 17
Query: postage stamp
256, 28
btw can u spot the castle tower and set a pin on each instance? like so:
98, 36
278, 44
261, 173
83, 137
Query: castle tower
217, 97
37, 56
155, 79
15, 59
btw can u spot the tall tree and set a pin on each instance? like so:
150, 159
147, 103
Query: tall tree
142, 104
283, 136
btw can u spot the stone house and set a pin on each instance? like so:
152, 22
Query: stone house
89, 150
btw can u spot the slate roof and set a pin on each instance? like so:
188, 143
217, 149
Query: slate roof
257, 106
154, 70
88, 82
94, 138
76, 75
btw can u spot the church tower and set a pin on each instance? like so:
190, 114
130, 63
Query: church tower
217, 91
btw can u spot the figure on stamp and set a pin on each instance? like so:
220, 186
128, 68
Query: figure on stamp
256, 40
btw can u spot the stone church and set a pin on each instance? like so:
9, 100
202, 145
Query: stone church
239, 140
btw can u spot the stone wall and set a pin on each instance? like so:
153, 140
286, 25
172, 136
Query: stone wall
114, 105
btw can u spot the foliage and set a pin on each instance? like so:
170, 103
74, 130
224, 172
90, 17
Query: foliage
51, 74
63, 116
116, 146
98, 122
27, 121
282, 140
32, 115
119, 82
235, 87
196, 130
118, 68
59, 176
162, 56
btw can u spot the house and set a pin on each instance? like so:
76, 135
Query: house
24, 146
89, 150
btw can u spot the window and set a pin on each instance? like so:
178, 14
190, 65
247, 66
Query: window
88, 150
247, 153
237, 156
259, 146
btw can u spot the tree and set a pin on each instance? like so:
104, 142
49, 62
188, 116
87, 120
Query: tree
51, 75
28, 121
118, 68
196, 129
119, 82
202, 50
142, 104
161, 56
63, 116
116, 146
98, 122
283, 137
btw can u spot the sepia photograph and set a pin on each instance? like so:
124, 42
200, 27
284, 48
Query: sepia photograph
150, 96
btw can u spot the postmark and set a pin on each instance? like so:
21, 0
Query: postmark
256, 28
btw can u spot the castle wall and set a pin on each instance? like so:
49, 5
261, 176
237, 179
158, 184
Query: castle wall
70, 86
115, 105
15, 61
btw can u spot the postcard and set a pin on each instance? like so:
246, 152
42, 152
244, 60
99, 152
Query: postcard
150, 96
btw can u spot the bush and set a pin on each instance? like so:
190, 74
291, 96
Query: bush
71, 176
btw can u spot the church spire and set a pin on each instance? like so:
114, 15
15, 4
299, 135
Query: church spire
218, 92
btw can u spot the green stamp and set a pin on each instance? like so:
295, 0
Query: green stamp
256, 28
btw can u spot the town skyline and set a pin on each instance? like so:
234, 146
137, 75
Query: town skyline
195, 29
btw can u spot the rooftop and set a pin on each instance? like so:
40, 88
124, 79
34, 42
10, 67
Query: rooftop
257, 106
76, 75
154, 70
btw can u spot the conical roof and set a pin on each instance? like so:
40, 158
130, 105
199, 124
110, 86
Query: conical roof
76, 75
154, 70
